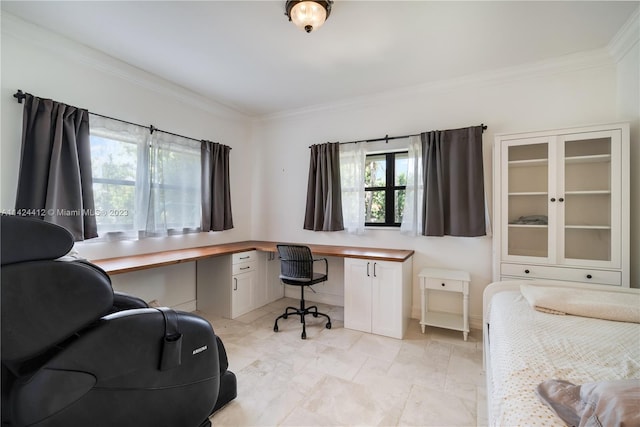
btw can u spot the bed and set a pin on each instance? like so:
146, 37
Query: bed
524, 347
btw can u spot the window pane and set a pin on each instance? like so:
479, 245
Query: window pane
175, 189
113, 159
399, 197
113, 165
402, 161
374, 203
375, 171
114, 207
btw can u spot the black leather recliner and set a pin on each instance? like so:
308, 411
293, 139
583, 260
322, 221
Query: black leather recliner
75, 354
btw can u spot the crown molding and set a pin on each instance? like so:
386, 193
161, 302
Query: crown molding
52, 42
626, 38
568, 63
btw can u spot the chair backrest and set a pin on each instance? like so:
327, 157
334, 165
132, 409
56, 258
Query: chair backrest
296, 261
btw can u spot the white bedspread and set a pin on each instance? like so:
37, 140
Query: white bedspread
528, 347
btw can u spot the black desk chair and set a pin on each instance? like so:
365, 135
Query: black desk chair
296, 268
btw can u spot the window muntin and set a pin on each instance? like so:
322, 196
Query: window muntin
385, 188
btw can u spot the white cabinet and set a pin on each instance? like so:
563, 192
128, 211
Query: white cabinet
561, 205
377, 296
242, 294
229, 285
245, 294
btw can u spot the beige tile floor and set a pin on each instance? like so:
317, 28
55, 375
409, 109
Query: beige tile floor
342, 377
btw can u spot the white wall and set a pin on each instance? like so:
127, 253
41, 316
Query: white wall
49, 66
626, 49
539, 97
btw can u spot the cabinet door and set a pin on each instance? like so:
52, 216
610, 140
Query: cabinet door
528, 224
357, 294
588, 199
242, 294
386, 301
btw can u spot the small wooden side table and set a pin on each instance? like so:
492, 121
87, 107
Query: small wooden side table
445, 280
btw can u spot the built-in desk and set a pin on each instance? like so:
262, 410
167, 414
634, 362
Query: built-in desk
131, 263
377, 282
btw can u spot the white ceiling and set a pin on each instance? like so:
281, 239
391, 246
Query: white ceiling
245, 54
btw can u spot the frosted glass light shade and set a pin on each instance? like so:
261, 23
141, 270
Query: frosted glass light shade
308, 15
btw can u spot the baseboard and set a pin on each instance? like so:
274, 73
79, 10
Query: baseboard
188, 306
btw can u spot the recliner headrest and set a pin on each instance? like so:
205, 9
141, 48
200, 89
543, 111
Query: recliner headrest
32, 239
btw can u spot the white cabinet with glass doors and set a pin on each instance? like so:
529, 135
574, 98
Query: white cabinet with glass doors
561, 205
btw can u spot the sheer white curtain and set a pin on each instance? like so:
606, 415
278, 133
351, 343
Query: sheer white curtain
145, 184
352, 157
119, 159
173, 186
411, 218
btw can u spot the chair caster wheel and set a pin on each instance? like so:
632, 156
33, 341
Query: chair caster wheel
275, 328
328, 325
304, 335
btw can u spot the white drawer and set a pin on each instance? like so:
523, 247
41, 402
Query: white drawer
244, 267
244, 257
562, 273
444, 284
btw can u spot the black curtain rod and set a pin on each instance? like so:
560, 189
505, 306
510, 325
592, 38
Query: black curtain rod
19, 95
388, 138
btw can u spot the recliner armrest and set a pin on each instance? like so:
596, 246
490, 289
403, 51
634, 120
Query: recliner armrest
122, 301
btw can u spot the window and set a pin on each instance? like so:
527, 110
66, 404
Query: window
385, 180
144, 184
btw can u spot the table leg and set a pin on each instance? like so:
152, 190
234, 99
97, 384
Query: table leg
465, 313
423, 304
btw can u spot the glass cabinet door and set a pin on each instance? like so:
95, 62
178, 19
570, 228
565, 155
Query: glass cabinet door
526, 208
586, 198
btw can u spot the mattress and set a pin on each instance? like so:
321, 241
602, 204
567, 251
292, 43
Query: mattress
527, 347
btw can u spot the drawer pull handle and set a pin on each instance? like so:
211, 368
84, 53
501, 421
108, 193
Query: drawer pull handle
443, 284
589, 276
527, 271
235, 284
245, 257
561, 199
244, 268
553, 199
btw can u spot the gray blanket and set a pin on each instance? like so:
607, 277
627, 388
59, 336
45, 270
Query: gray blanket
598, 404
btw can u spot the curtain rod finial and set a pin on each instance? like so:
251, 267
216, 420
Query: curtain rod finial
19, 95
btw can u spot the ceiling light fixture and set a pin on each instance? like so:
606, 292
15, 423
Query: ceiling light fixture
308, 15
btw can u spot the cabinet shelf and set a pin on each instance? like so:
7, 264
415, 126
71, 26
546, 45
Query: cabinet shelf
529, 225
441, 319
587, 192
528, 193
588, 227
529, 162
597, 158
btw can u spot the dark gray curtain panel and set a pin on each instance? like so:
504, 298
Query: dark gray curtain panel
216, 191
55, 181
324, 193
453, 202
